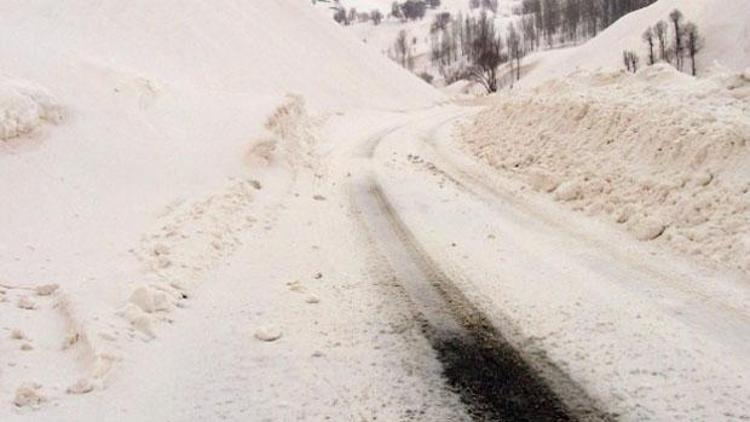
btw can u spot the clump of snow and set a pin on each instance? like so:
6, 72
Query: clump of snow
268, 333
24, 107
543, 182
148, 300
29, 395
293, 130
648, 228
662, 153
568, 191
139, 319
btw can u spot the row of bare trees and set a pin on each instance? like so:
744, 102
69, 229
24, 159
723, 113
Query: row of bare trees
412, 9
563, 22
348, 17
473, 47
673, 42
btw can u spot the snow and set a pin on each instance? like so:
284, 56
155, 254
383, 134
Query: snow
648, 334
134, 138
661, 153
187, 232
724, 26
24, 108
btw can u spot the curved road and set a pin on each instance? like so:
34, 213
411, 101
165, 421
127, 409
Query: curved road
597, 324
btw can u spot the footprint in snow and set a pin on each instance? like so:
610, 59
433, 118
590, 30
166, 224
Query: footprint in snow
25, 303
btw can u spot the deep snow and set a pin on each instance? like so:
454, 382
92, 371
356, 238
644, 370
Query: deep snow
181, 239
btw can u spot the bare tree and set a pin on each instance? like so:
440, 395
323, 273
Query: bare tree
376, 16
487, 46
533, 9
340, 16
530, 37
514, 50
660, 31
402, 48
693, 44
631, 60
676, 18
591, 16
440, 22
648, 38
551, 19
396, 10
572, 17
490, 5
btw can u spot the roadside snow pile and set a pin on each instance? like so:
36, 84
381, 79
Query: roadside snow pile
662, 153
24, 108
724, 25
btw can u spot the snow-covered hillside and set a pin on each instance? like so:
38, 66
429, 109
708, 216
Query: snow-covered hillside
724, 26
382, 37
123, 124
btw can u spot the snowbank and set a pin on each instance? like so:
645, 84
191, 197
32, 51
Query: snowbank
663, 154
724, 25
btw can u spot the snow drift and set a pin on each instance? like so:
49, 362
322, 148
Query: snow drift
664, 154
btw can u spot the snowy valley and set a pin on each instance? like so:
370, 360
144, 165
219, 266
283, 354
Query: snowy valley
262, 211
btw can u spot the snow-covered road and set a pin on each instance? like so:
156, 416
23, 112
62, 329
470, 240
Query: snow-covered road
645, 334
390, 261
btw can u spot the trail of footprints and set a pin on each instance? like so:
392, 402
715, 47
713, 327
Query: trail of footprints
37, 346
192, 239
41, 342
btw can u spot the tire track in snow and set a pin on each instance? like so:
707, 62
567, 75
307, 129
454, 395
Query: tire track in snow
493, 379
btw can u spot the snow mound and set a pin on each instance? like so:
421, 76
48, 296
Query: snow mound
663, 154
724, 25
24, 107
